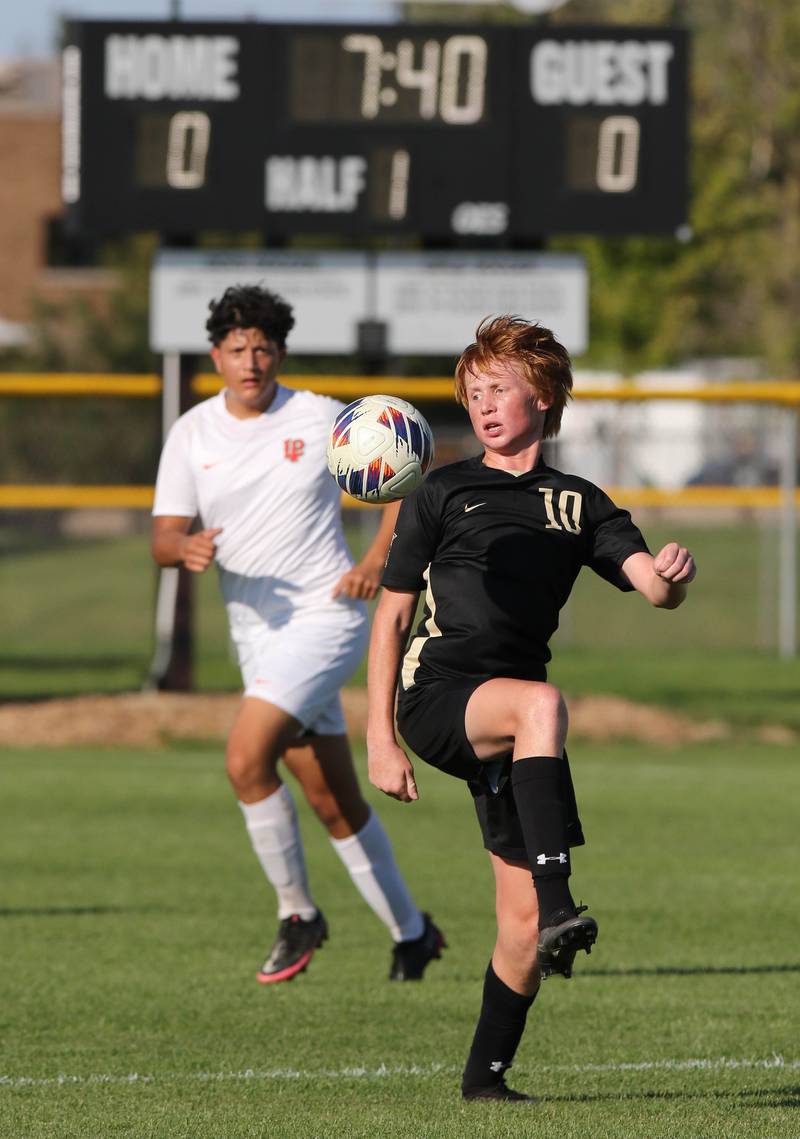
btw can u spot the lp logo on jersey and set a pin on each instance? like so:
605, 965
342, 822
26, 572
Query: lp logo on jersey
293, 449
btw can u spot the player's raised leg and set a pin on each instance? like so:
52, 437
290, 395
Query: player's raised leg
323, 765
530, 717
259, 734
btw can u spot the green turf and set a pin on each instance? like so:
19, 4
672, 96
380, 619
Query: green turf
745, 688
78, 617
133, 917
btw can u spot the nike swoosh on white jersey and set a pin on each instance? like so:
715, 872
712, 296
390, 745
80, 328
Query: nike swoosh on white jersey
474, 506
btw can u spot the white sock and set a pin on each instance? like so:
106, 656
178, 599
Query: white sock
275, 835
369, 859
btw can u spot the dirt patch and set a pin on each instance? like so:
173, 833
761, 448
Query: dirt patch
151, 719
139, 719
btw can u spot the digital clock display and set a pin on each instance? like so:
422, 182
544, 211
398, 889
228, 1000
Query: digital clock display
498, 132
366, 77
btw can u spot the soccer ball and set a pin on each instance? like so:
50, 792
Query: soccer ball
380, 448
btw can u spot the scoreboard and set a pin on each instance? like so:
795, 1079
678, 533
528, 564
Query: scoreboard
498, 132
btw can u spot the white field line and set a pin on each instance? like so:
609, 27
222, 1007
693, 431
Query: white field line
387, 1071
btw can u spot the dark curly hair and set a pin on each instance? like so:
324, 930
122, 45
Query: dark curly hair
250, 306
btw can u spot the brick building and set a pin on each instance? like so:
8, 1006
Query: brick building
30, 197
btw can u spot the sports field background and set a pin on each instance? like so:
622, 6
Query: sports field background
134, 916
79, 618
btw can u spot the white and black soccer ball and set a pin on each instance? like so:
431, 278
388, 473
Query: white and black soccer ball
380, 448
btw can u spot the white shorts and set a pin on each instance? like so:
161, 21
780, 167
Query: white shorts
302, 665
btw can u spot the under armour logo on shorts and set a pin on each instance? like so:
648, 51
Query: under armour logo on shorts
293, 449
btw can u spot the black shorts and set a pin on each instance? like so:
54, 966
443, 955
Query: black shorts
431, 720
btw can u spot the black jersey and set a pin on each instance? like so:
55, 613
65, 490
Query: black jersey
497, 555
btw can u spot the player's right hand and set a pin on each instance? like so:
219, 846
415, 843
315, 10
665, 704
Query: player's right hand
390, 770
199, 549
675, 563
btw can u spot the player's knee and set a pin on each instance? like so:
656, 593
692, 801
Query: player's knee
246, 771
544, 704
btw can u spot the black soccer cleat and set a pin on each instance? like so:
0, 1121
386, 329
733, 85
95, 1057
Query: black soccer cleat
499, 1091
293, 949
409, 958
565, 933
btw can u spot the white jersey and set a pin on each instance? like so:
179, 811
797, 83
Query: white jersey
265, 482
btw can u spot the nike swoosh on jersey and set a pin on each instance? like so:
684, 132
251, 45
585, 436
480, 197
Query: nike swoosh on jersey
208, 466
474, 506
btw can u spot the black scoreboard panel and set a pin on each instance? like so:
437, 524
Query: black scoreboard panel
497, 132
600, 132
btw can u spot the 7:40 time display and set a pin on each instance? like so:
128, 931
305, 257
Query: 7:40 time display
360, 78
501, 133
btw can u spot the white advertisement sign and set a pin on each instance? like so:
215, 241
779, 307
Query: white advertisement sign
328, 293
433, 302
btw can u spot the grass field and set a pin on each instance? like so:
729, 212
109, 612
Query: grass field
134, 915
79, 618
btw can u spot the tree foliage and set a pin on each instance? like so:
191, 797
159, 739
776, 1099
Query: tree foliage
732, 289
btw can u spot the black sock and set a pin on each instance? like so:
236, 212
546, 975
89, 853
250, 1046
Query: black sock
544, 814
574, 828
498, 1033
553, 894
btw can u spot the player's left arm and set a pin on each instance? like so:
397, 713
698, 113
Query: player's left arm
364, 579
662, 578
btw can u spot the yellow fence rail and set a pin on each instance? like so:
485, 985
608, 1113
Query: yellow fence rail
141, 497
781, 393
33, 385
431, 388
422, 388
